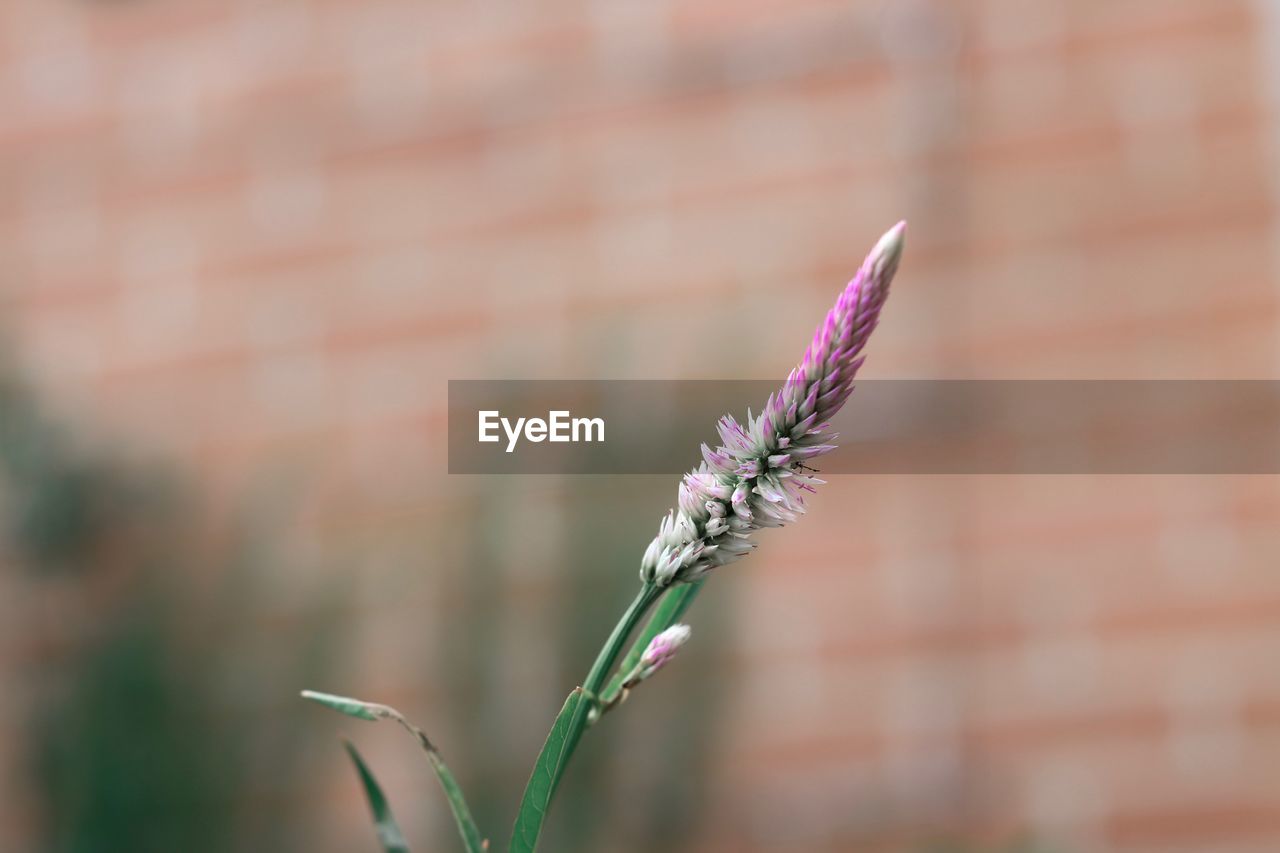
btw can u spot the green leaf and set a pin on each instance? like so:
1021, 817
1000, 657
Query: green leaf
547, 772
389, 834
471, 837
670, 608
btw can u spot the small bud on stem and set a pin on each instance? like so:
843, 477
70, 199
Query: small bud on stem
661, 649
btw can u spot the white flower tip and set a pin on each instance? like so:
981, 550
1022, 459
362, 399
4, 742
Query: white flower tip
881, 264
887, 252
678, 634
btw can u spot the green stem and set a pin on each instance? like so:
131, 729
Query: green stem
613, 646
669, 610
569, 726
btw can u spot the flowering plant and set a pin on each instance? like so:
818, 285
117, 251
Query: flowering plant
758, 477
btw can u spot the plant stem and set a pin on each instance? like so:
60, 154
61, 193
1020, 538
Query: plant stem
569, 726
603, 665
613, 646
673, 605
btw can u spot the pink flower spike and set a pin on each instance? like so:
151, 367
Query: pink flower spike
746, 483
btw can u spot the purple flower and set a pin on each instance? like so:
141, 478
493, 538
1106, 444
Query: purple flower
759, 474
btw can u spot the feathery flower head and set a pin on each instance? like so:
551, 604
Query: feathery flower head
759, 473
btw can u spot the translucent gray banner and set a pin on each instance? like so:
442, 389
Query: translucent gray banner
888, 426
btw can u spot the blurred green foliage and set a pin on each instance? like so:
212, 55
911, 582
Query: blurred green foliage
143, 730
132, 756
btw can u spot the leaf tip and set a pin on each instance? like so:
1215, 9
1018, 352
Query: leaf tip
342, 704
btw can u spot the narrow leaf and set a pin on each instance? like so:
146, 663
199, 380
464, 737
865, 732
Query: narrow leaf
471, 837
389, 834
546, 773
467, 828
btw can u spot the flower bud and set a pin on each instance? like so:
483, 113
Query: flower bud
661, 649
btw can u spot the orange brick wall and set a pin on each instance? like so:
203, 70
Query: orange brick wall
254, 236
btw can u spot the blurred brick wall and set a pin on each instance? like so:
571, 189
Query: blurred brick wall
252, 234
